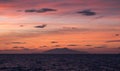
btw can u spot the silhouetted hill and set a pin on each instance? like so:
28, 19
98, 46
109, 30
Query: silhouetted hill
63, 51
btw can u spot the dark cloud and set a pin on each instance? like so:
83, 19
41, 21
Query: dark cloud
21, 25
18, 47
87, 12
117, 34
41, 26
31, 10
72, 45
54, 42
43, 10
88, 45
113, 41
118, 47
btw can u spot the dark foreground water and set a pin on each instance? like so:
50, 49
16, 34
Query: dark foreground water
36, 62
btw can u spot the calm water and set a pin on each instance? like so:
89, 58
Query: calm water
36, 62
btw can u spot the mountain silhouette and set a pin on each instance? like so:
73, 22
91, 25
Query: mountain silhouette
64, 51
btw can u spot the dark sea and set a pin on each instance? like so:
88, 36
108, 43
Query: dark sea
54, 62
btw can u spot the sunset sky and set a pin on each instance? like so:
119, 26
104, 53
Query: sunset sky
39, 25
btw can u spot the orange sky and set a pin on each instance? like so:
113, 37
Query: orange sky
92, 26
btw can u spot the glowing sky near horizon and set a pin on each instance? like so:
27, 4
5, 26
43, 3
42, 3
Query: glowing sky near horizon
93, 26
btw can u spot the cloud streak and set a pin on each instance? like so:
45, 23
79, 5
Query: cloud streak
87, 12
41, 26
42, 10
110, 41
72, 45
18, 42
54, 42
